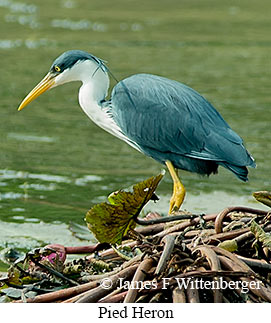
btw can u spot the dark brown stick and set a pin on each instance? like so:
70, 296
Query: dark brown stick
139, 276
151, 229
225, 235
221, 216
86, 249
256, 263
61, 294
126, 264
183, 225
165, 219
111, 253
197, 273
261, 291
118, 298
234, 258
214, 264
97, 293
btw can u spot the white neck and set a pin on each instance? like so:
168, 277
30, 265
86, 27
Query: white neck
93, 90
95, 81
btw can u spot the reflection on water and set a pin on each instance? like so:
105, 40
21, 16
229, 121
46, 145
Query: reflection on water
29, 17
19, 136
29, 20
18, 209
69, 4
27, 43
78, 25
12, 174
87, 179
38, 187
10, 196
18, 6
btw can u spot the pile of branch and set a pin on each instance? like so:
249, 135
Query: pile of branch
222, 257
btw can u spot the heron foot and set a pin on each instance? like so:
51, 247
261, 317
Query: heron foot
178, 189
177, 197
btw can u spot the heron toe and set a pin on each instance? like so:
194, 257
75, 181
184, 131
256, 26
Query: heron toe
177, 197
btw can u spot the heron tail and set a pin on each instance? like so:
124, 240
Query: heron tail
240, 171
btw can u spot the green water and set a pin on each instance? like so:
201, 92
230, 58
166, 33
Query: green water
55, 163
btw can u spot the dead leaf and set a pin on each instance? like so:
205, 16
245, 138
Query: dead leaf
110, 222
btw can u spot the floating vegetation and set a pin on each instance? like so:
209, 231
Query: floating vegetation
181, 261
109, 222
26, 232
178, 263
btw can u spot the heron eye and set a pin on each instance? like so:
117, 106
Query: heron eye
57, 68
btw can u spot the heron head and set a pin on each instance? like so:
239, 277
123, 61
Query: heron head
73, 65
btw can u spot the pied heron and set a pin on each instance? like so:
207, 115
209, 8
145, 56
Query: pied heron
161, 118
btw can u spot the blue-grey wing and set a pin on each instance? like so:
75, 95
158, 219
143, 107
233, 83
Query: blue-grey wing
169, 117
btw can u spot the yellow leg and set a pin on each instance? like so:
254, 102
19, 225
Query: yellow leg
178, 189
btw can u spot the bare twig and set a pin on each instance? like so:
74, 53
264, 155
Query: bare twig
260, 291
261, 264
150, 229
192, 293
214, 264
139, 276
117, 298
97, 293
61, 294
86, 249
168, 248
183, 225
219, 219
126, 264
165, 219
178, 295
197, 273
56, 273
234, 258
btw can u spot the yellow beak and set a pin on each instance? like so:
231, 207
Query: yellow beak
45, 84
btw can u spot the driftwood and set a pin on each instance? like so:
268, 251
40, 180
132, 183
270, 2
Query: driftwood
173, 258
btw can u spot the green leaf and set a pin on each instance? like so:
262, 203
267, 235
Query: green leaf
230, 245
109, 222
261, 235
263, 197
